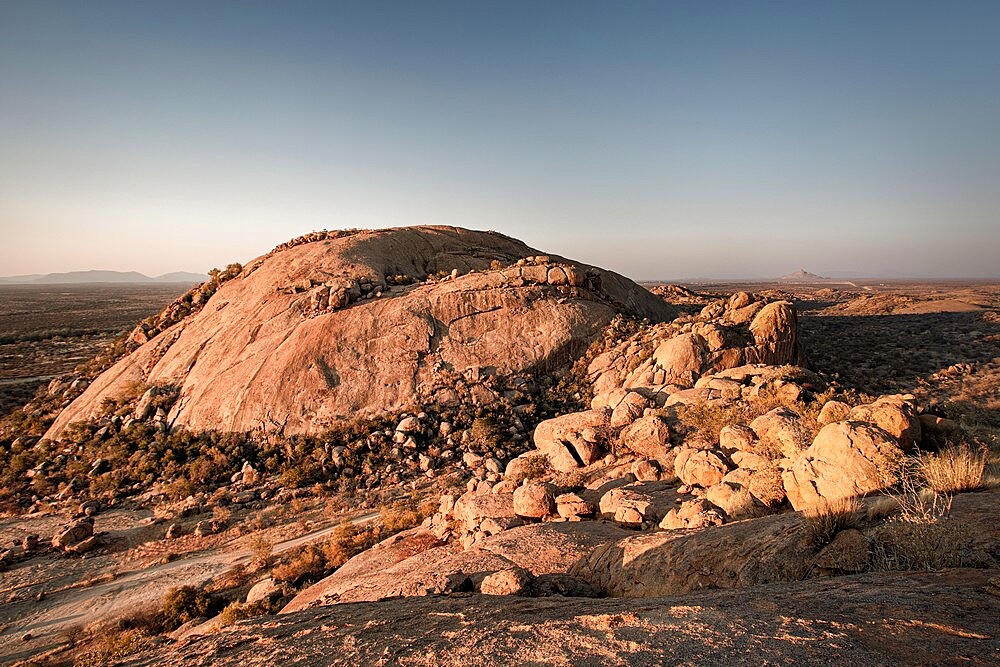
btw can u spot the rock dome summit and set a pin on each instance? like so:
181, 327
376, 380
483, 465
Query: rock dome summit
337, 325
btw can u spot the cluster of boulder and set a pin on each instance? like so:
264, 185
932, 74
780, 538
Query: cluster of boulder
631, 462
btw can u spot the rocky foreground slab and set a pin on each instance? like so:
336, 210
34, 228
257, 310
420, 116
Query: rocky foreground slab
947, 617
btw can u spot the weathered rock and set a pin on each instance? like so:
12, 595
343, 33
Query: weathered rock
733, 499
525, 466
693, 514
699, 467
572, 506
259, 354
265, 589
471, 509
76, 532
847, 552
629, 409
737, 438
647, 436
535, 500
540, 549
509, 581
90, 507
846, 459
83, 546
852, 620
895, 415
634, 505
368, 564
833, 411
780, 433
681, 358
774, 329
746, 553
573, 440
646, 470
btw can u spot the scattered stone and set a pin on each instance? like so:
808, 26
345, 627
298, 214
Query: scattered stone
78, 531
535, 500
511, 581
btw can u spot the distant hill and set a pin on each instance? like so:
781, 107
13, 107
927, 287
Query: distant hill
79, 277
803, 276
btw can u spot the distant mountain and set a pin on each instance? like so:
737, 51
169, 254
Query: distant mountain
10, 280
181, 277
803, 276
79, 277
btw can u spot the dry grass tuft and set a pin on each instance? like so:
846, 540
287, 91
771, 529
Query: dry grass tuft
953, 470
900, 545
829, 517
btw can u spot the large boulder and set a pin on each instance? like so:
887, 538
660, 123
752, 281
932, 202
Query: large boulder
846, 459
647, 436
574, 440
697, 467
634, 505
76, 533
681, 358
472, 509
316, 333
780, 433
535, 500
896, 415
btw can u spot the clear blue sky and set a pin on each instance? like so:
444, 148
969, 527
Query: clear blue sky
670, 139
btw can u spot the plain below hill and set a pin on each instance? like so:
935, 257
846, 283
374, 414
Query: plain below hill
97, 276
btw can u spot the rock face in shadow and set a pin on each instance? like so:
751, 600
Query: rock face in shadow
319, 332
924, 618
737, 555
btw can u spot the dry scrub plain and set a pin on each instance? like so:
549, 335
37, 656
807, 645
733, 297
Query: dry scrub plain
47, 330
183, 562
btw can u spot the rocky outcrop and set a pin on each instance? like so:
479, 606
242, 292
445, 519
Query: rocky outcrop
324, 331
846, 459
668, 359
737, 555
414, 564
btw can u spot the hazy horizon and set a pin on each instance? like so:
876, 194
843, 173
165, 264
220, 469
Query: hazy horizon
663, 141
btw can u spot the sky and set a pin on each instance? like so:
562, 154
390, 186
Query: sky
663, 140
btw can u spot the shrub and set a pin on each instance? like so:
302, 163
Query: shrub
900, 545
186, 603
261, 548
238, 611
107, 647
829, 517
916, 504
954, 469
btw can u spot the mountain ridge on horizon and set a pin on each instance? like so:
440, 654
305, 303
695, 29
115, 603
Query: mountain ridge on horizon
103, 276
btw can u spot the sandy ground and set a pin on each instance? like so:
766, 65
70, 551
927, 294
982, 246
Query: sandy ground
76, 591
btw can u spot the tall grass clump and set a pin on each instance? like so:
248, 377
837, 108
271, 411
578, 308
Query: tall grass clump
954, 469
829, 517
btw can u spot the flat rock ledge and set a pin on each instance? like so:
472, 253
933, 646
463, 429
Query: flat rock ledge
946, 617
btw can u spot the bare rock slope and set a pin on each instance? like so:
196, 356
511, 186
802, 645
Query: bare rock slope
346, 325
